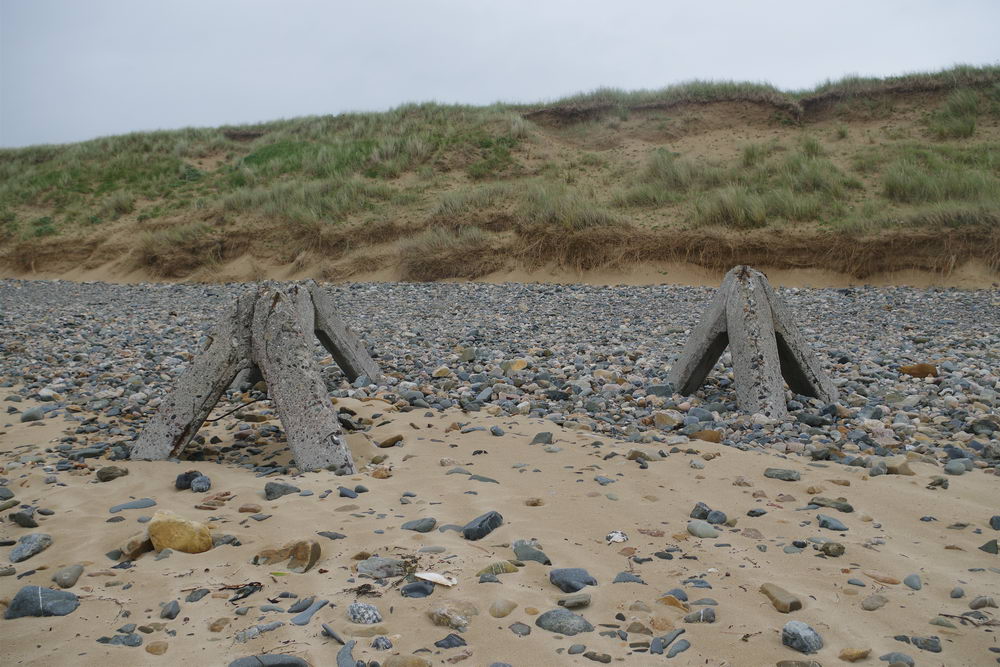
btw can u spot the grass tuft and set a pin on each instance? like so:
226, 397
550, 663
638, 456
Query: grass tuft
956, 119
908, 181
176, 251
438, 253
553, 205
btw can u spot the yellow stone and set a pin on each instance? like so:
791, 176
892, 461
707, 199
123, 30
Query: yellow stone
781, 599
405, 661
919, 370
514, 365
390, 441
156, 648
882, 578
671, 601
218, 624
170, 531
502, 608
498, 567
300, 554
854, 654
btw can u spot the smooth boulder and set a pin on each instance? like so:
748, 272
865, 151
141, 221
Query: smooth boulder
171, 531
38, 601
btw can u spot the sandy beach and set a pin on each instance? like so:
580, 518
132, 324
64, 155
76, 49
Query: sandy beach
566, 496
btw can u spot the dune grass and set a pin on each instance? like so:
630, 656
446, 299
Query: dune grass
667, 177
767, 184
485, 175
438, 253
956, 119
553, 205
934, 174
177, 250
687, 92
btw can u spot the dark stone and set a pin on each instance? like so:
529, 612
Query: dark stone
418, 589
627, 578
108, 473
183, 481
140, 504
170, 610
130, 639
482, 526
571, 579
706, 615
783, 474
35, 543
453, 641
345, 657
800, 637
38, 601
932, 644
700, 511
425, 525
24, 518
563, 622
520, 629
201, 484
678, 648
196, 595
716, 517
543, 438
830, 523
274, 490
528, 552
330, 535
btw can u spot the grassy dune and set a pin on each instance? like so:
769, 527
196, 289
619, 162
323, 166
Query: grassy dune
858, 175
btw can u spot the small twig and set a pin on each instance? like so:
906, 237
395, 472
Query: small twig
238, 407
988, 621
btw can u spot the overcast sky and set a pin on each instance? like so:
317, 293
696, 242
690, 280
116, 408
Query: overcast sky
77, 69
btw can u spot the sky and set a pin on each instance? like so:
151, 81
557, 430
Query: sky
72, 70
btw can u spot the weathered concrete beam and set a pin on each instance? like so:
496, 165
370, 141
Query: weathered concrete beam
756, 368
200, 386
767, 347
346, 346
279, 347
799, 366
267, 334
706, 344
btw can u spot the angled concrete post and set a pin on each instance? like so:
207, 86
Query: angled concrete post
345, 346
766, 345
267, 333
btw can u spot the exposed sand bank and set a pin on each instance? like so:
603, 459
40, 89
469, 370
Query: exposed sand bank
969, 275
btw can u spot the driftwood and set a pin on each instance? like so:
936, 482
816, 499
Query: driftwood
767, 347
265, 336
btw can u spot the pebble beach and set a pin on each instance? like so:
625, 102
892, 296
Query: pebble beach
531, 489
